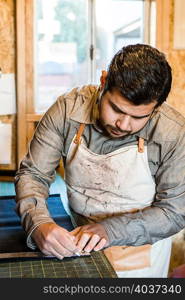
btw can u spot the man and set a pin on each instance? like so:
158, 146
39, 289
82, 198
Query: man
123, 149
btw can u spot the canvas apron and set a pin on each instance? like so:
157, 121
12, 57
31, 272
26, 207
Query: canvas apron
111, 184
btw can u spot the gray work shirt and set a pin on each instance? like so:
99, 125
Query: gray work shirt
164, 135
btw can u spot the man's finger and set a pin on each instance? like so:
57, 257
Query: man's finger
92, 243
75, 231
61, 250
68, 243
100, 245
56, 254
83, 240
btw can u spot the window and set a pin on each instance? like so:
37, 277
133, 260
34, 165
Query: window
76, 39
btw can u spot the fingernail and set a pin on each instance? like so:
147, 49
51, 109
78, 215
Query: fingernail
77, 253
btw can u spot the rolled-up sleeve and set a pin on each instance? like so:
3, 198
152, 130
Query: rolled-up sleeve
166, 216
37, 169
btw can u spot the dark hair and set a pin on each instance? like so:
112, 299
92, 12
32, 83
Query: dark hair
140, 73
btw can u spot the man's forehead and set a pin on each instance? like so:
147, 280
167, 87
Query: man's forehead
135, 114
126, 106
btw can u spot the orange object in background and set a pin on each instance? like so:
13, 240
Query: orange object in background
178, 272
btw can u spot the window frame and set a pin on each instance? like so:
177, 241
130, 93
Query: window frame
27, 118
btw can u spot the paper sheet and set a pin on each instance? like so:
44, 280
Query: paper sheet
5, 143
7, 94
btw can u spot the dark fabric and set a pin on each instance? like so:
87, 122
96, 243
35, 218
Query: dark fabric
12, 235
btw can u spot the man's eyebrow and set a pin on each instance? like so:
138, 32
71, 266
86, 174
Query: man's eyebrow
117, 109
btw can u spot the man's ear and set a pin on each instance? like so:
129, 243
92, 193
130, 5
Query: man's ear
103, 79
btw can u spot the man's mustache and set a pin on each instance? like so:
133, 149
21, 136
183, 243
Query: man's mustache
118, 130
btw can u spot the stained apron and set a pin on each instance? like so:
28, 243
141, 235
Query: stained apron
101, 186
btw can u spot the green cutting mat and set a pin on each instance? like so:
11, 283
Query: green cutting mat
93, 266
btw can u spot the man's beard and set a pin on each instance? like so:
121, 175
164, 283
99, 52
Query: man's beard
107, 128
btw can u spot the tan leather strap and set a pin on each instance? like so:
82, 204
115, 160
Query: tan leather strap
79, 133
141, 145
81, 129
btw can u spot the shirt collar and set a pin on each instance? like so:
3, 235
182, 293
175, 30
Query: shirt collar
86, 108
144, 132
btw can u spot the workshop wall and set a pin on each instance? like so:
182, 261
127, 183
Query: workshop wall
7, 65
167, 28
165, 42
7, 36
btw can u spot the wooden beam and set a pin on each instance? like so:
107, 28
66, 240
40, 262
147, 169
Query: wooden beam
7, 178
33, 117
21, 79
163, 13
29, 44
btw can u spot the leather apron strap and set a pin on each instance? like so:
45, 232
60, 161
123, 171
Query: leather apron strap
141, 145
81, 130
79, 133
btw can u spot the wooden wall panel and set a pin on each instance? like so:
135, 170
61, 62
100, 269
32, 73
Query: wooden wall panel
7, 64
7, 36
177, 95
176, 58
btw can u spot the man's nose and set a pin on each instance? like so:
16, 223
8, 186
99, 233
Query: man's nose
124, 123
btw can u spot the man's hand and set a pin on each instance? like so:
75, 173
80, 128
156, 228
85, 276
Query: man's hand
90, 237
54, 240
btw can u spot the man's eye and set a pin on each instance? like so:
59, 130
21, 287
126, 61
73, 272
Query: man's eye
139, 118
117, 110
